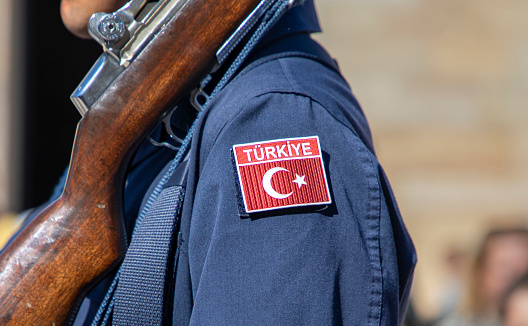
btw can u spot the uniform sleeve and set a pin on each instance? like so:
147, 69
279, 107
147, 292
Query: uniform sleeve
310, 266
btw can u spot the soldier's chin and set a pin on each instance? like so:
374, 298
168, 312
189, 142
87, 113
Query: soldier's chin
74, 19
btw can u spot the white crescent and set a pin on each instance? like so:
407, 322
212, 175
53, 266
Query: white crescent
266, 182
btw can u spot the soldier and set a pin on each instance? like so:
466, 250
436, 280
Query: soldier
287, 216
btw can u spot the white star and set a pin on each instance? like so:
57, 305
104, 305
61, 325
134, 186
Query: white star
299, 180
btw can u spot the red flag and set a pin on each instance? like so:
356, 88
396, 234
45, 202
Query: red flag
281, 173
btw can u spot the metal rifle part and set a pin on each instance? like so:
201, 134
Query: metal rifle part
105, 70
125, 33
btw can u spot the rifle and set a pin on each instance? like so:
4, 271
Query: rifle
155, 53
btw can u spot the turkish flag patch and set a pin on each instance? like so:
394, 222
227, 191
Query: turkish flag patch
281, 173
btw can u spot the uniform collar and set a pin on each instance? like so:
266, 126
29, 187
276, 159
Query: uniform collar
300, 19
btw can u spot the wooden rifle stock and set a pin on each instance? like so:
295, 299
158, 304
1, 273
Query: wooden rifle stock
80, 236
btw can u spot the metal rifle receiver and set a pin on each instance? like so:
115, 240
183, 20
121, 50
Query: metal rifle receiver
125, 33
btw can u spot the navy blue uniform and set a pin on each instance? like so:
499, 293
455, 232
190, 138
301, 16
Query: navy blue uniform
347, 263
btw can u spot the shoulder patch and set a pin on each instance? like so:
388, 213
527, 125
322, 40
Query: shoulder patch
281, 173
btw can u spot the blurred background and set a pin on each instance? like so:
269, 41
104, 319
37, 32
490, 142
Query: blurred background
444, 84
